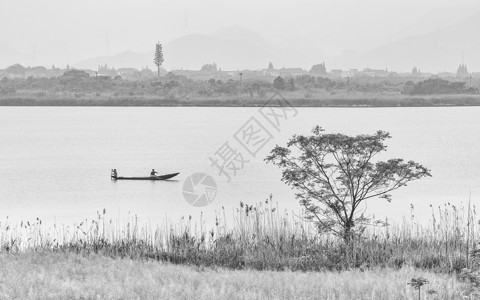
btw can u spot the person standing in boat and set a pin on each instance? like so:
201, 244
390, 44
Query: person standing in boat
153, 173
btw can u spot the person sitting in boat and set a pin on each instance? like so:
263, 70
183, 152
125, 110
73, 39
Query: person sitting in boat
153, 173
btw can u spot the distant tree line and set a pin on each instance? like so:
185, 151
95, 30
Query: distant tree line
172, 86
437, 86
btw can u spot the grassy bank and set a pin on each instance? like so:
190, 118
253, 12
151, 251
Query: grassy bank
241, 258
263, 238
295, 99
47, 275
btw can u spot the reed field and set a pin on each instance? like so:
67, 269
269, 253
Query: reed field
256, 241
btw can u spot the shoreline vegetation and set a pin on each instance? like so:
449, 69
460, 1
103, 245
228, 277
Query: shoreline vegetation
338, 101
78, 88
260, 238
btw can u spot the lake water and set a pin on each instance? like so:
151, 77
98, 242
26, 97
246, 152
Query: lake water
55, 162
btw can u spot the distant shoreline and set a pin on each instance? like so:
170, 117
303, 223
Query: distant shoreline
421, 101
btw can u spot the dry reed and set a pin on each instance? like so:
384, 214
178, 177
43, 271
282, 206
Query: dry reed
262, 237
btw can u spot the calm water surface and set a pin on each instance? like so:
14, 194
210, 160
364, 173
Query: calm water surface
55, 161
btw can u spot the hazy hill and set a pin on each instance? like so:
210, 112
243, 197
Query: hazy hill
127, 59
239, 34
230, 48
235, 47
439, 50
248, 51
48, 53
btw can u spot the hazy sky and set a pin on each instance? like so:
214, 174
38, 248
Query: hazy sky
73, 30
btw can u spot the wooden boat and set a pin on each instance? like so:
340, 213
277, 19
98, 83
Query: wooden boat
153, 178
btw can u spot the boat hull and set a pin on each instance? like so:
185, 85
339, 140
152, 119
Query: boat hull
152, 178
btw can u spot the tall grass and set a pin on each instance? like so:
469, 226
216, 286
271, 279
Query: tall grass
261, 237
50, 275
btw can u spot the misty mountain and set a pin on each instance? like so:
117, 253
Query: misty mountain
437, 51
231, 48
236, 47
239, 34
127, 59
47, 54
436, 19
298, 51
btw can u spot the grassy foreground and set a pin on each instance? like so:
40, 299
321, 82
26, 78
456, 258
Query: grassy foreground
48, 275
240, 258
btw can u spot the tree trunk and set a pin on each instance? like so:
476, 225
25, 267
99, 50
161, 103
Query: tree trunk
347, 233
349, 245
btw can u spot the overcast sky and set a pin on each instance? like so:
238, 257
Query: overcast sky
88, 28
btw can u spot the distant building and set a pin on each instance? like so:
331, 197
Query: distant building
415, 72
250, 74
36, 72
462, 71
76, 74
106, 71
271, 72
128, 73
367, 72
335, 73
209, 68
284, 72
318, 70
292, 72
349, 74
